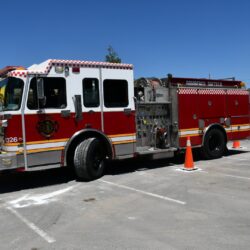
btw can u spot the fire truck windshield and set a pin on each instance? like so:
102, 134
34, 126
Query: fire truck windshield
11, 90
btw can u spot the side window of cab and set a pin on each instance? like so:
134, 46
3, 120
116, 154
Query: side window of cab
54, 91
115, 93
90, 88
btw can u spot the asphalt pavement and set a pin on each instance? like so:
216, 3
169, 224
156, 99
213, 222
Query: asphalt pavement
138, 204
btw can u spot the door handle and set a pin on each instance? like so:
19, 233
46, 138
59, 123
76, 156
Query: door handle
127, 111
65, 113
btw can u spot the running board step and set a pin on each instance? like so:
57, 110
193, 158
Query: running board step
156, 153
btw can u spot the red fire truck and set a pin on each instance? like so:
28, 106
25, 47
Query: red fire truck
81, 113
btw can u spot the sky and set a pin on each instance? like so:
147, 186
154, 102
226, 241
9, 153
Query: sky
187, 38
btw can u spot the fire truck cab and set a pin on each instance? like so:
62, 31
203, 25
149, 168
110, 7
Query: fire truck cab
81, 113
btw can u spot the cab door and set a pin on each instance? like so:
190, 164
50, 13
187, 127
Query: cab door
46, 130
119, 111
91, 103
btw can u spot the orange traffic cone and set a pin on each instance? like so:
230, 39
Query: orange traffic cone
189, 163
236, 144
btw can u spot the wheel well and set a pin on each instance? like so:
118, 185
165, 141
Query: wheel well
215, 126
70, 149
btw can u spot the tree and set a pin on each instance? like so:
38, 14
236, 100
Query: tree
112, 56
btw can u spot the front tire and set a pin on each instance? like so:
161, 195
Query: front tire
89, 160
214, 145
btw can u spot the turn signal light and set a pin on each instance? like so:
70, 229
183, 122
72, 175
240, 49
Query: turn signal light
242, 85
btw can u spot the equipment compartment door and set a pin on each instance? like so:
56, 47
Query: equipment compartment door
238, 112
212, 104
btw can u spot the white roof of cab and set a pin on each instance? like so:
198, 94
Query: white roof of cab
45, 67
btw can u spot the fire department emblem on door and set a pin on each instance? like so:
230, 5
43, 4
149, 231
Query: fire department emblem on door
47, 128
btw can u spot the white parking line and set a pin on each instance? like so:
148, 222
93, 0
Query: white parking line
144, 192
32, 226
38, 199
228, 175
236, 176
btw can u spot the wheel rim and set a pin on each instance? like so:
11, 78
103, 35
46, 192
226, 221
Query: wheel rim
98, 160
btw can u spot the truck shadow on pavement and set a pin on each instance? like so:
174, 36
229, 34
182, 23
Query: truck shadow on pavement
12, 182
143, 164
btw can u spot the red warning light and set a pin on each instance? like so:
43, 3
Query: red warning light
76, 69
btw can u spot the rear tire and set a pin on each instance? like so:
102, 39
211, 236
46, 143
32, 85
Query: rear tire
214, 144
89, 160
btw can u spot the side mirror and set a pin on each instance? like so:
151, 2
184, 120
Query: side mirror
40, 92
